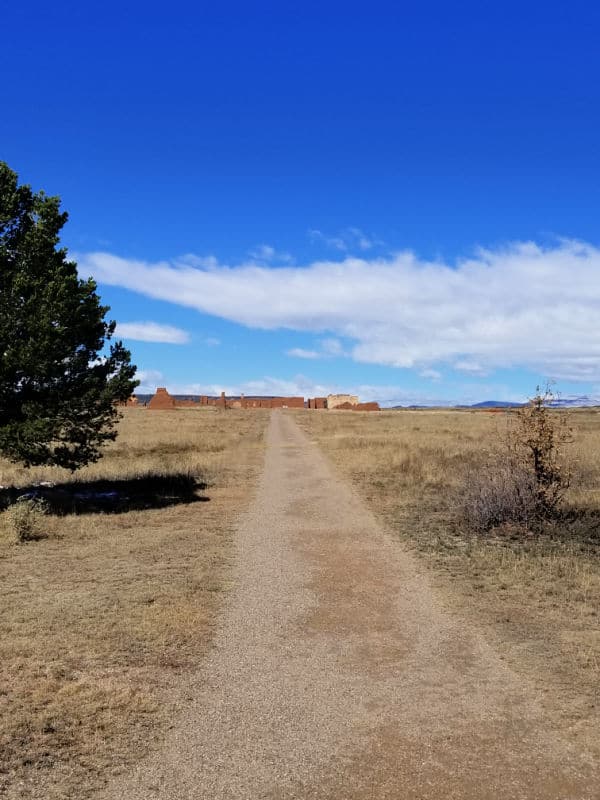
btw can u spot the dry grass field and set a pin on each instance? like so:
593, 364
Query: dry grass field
538, 597
104, 613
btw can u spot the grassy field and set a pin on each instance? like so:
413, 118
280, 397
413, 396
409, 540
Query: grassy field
538, 598
102, 616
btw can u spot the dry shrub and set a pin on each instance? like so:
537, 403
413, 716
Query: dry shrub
524, 480
26, 519
502, 494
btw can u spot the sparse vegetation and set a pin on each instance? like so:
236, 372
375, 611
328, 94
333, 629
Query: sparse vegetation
26, 519
103, 618
524, 477
537, 596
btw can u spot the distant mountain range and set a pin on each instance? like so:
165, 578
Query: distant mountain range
577, 401
496, 404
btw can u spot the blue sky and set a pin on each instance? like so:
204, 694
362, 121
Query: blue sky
399, 199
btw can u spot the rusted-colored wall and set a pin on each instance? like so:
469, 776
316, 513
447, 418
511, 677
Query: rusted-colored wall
268, 402
317, 402
162, 400
287, 402
358, 407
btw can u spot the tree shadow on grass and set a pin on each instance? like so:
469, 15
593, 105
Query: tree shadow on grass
112, 496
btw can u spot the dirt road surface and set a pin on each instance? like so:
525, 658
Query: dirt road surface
337, 675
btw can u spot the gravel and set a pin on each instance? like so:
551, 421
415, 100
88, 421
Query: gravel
337, 673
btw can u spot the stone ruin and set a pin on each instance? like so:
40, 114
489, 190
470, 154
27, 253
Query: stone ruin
337, 400
341, 402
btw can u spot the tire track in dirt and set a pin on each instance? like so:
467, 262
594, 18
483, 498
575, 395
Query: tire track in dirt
337, 675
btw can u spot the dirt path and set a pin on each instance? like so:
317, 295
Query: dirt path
336, 674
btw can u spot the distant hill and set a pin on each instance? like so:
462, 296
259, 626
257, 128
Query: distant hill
576, 401
496, 404
484, 404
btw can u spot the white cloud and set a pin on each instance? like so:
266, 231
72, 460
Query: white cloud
299, 352
330, 348
149, 379
431, 374
470, 367
152, 332
265, 253
522, 305
346, 241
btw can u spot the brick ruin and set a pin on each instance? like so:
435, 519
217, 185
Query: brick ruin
162, 399
317, 402
340, 402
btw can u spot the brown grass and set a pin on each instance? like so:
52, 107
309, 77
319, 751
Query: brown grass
537, 597
101, 619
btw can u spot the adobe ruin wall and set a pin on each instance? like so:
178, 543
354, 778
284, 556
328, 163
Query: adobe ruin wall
340, 402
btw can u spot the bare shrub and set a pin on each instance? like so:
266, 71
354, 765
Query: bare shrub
27, 519
498, 495
537, 441
523, 482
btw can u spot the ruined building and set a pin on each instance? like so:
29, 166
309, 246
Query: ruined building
341, 402
335, 400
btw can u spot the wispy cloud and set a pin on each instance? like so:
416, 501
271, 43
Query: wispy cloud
470, 367
266, 254
430, 374
332, 347
346, 241
299, 352
149, 379
523, 305
152, 332
329, 348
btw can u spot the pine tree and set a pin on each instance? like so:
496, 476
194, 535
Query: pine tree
60, 375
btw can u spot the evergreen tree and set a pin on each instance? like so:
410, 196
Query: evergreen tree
60, 376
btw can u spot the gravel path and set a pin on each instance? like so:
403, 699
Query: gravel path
337, 675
